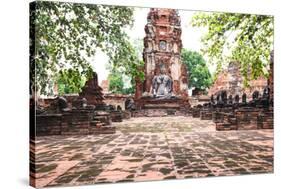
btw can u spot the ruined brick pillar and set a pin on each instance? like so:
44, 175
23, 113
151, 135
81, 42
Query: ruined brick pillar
271, 73
92, 91
139, 89
162, 48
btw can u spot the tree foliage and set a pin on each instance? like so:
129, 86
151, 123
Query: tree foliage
130, 62
66, 78
126, 69
64, 36
117, 84
240, 37
199, 74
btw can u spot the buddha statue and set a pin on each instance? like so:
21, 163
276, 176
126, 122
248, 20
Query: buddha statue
162, 84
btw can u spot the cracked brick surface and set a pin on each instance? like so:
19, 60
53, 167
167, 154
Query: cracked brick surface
152, 149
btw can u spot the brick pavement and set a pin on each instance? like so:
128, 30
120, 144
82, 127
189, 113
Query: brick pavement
154, 148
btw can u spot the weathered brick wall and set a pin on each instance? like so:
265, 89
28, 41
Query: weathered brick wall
116, 100
242, 118
247, 118
48, 124
76, 122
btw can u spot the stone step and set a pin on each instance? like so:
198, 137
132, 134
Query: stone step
162, 106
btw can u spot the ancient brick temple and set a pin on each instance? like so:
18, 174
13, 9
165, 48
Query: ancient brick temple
162, 48
231, 81
164, 90
228, 113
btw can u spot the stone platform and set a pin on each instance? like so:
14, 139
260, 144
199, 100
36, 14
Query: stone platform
75, 122
152, 149
154, 107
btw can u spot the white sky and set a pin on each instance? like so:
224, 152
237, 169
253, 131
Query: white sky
190, 38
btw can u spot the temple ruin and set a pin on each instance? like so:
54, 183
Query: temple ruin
165, 75
162, 48
231, 80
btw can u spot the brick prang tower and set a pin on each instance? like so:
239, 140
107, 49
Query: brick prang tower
162, 48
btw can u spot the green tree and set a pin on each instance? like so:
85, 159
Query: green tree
130, 62
116, 83
66, 35
66, 78
240, 37
199, 74
127, 66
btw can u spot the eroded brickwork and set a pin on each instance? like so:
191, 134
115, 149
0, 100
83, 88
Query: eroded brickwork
162, 47
92, 91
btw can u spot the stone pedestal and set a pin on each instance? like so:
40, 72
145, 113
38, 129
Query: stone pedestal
126, 114
206, 114
247, 118
83, 121
228, 122
116, 116
195, 111
76, 122
244, 118
265, 120
151, 107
